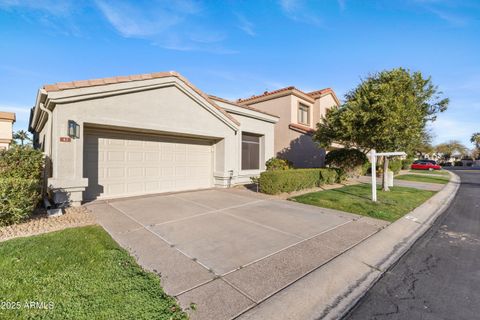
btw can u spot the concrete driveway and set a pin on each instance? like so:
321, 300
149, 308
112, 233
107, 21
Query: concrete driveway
227, 250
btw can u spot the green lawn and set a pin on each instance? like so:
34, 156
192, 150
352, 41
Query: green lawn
356, 199
423, 178
84, 273
441, 172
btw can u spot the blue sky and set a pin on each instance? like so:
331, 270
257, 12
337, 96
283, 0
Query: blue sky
235, 49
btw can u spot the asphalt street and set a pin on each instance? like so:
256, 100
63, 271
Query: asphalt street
439, 277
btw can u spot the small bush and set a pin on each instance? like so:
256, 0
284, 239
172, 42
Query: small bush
366, 168
350, 160
274, 182
20, 183
406, 163
18, 199
395, 165
458, 164
21, 162
278, 164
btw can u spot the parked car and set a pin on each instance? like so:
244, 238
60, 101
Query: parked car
424, 165
425, 160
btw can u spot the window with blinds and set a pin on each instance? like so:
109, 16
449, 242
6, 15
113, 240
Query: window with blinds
250, 151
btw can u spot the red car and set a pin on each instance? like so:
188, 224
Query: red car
424, 165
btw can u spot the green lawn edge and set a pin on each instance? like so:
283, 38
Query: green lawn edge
423, 178
356, 199
85, 274
437, 172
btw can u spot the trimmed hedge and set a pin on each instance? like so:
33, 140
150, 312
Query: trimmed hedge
274, 182
20, 183
18, 199
278, 164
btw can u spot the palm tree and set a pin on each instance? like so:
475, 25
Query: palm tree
475, 139
23, 136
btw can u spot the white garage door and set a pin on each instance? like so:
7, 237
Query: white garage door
124, 164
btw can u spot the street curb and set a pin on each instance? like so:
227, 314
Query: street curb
448, 194
333, 290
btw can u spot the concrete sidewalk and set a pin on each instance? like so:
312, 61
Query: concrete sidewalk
331, 290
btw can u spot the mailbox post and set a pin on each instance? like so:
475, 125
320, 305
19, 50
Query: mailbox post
373, 160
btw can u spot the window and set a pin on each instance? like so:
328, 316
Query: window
303, 114
250, 151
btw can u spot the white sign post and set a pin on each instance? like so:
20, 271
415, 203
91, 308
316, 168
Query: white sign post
373, 160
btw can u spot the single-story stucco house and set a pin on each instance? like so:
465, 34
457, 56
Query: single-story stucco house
6, 129
142, 134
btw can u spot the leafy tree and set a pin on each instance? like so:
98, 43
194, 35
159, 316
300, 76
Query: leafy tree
475, 139
387, 111
23, 136
447, 149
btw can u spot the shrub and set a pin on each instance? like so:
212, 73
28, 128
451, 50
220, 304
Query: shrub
18, 199
21, 162
20, 183
406, 163
458, 164
350, 160
274, 182
366, 168
278, 164
395, 165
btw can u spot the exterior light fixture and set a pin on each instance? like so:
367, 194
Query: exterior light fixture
73, 129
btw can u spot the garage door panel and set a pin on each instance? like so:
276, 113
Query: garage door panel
122, 164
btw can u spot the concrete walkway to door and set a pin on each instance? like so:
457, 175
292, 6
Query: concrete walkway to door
227, 250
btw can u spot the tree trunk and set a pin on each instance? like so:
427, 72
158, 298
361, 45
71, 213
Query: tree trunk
385, 174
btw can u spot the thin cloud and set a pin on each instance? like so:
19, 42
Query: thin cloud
297, 11
446, 10
245, 25
453, 19
133, 21
57, 8
167, 24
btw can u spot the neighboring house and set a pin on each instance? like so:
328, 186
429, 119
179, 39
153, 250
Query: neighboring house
6, 129
299, 114
141, 134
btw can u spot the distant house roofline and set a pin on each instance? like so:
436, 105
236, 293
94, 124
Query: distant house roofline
310, 96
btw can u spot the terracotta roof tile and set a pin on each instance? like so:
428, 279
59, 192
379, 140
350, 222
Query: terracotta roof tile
7, 115
241, 106
267, 93
320, 92
300, 128
103, 81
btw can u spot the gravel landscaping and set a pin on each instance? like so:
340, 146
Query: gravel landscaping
40, 223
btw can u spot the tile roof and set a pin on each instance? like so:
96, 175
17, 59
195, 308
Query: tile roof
240, 106
268, 93
7, 115
313, 94
320, 92
60, 86
300, 128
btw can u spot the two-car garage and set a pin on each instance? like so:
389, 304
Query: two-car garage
120, 163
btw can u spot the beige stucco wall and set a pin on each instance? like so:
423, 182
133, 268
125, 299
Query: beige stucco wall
6, 129
281, 107
290, 144
325, 102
